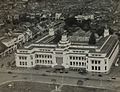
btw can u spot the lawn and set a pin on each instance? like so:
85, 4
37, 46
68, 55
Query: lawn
42, 87
83, 89
26, 87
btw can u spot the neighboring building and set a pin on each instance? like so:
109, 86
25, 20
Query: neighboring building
10, 42
7, 46
28, 35
20, 38
70, 54
86, 17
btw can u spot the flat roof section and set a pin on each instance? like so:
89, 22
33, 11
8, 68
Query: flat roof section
109, 45
48, 39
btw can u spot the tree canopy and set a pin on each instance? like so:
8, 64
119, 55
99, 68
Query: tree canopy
92, 39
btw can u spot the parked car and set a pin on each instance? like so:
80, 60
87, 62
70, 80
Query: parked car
100, 75
44, 74
9, 72
79, 82
113, 78
66, 71
61, 71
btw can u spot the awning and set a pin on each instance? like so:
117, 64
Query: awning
59, 67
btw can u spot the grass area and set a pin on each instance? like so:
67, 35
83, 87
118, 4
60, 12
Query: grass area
26, 87
42, 87
83, 89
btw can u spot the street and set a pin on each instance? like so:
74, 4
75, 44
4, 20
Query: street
5, 78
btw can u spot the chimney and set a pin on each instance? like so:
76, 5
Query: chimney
51, 31
106, 31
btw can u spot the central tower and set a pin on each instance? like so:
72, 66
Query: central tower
64, 42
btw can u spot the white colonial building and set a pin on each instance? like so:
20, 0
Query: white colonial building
70, 53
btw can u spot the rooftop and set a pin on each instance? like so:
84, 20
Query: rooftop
2, 47
109, 45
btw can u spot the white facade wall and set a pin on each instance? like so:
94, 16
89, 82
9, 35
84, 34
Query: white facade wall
78, 61
43, 59
23, 60
92, 62
113, 57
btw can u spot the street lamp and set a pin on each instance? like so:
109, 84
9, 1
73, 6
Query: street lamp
11, 86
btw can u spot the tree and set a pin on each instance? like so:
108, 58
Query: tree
85, 25
100, 31
70, 21
58, 36
92, 39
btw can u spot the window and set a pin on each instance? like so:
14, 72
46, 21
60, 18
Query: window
37, 61
76, 63
25, 63
98, 67
79, 58
92, 67
82, 63
105, 62
96, 55
82, 58
73, 58
95, 62
76, 58
50, 56
87, 61
36, 56
31, 63
45, 61
95, 67
45, 56
40, 61
20, 63
25, 58
92, 61
39, 56
105, 67
19, 57
48, 61
70, 57
79, 63
70, 63
73, 63
98, 62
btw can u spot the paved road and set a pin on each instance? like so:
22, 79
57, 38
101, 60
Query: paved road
4, 77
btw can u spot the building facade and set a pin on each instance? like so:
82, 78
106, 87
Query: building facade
70, 54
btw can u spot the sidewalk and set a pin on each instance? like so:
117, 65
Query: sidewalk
69, 79
70, 74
